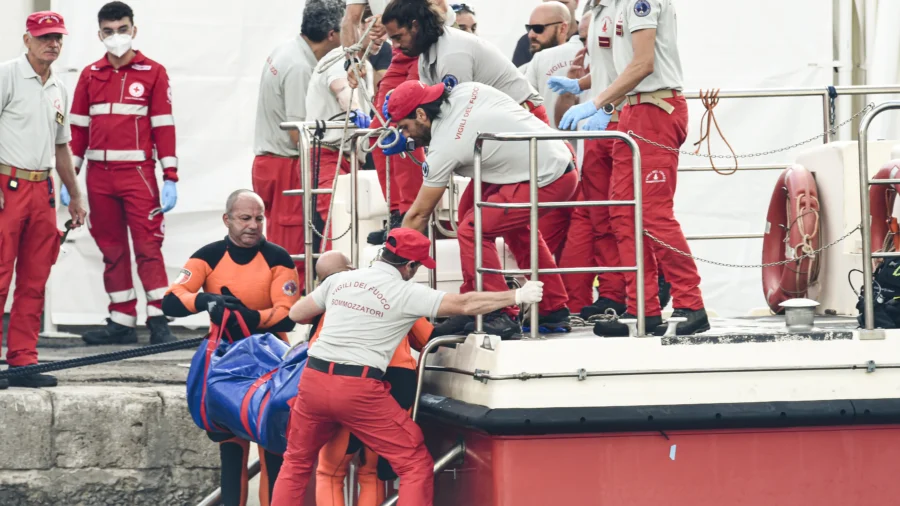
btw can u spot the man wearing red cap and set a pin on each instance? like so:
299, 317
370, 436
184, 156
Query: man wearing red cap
370, 311
121, 115
31, 99
448, 123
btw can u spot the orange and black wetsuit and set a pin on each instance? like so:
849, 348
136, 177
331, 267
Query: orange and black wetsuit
265, 281
337, 453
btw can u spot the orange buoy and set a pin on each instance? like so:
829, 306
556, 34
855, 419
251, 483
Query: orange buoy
792, 231
881, 206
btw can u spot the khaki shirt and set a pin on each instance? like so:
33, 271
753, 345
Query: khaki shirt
468, 58
369, 312
634, 15
475, 108
34, 116
282, 96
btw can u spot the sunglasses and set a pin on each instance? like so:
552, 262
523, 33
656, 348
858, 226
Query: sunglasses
462, 7
539, 29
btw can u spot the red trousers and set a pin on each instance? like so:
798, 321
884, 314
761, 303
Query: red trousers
593, 243
29, 240
284, 214
513, 226
365, 407
122, 199
659, 169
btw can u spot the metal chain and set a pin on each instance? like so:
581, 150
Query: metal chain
831, 131
745, 266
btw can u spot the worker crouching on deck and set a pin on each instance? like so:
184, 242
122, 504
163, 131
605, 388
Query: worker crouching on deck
448, 123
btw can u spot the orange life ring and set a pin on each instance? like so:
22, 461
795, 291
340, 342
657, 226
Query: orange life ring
792, 230
881, 207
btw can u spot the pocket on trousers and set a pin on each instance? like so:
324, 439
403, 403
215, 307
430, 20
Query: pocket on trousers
408, 427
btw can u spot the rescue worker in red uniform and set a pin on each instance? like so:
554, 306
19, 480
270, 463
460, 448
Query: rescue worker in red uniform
649, 79
282, 97
256, 279
121, 113
370, 311
34, 133
336, 455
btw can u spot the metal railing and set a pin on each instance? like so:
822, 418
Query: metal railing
439, 465
305, 130
864, 183
535, 206
215, 497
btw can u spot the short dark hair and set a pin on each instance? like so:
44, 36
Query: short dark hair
432, 109
321, 17
393, 258
429, 19
114, 11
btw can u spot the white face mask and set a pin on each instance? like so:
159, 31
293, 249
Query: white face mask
118, 43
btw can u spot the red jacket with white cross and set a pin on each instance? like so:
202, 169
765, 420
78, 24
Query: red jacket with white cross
120, 115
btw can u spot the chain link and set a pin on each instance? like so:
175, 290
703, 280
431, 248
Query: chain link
831, 131
746, 266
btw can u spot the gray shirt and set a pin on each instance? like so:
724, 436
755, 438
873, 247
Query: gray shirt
474, 108
282, 96
600, 39
33, 116
552, 62
369, 311
468, 58
634, 15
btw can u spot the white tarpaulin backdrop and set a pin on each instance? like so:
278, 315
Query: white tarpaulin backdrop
214, 52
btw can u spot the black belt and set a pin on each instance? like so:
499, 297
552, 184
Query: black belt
570, 168
357, 371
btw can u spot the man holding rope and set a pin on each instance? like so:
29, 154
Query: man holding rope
285, 77
649, 78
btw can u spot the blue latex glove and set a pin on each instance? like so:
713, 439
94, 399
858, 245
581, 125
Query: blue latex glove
384, 108
64, 197
598, 122
169, 196
577, 113
564, 85
361, 119
396, 149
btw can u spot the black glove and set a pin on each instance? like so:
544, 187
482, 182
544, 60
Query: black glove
215, 305
251, 317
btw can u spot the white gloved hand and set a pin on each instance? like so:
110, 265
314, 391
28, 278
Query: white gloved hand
531, 292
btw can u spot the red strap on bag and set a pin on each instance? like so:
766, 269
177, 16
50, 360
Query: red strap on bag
245, 404
217, 332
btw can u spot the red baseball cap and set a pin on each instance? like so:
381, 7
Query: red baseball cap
44, 22
411, 94
411, 245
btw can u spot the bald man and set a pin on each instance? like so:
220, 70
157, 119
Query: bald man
256, 279
335, 456
523, 54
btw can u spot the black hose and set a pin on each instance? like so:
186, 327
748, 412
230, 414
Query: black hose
101, 359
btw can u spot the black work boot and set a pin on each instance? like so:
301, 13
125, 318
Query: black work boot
665, 289
159, 330
453, 326
379, 236
498, 323
600, 306
556, 322
697, 322
114, 333
613, 328
32, 380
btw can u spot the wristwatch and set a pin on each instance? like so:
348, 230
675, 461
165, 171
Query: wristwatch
347, 63
609, 109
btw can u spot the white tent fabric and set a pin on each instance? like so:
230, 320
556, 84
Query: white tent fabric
215, 51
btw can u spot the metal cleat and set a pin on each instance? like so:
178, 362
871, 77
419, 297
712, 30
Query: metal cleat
632, 326
673, 324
